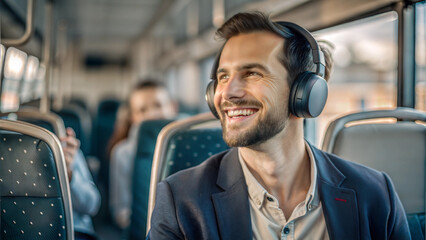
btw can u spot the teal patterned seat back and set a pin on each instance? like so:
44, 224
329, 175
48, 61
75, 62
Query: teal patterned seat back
147, 137
32, 201
183, 144
190, 147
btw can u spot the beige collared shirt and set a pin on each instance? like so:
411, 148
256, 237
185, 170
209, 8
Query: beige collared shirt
268, 220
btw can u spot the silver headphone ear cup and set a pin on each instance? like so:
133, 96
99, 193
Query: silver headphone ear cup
308, 95
210, 98
317, 98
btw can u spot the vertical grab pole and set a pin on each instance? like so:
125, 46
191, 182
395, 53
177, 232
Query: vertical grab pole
47, 43
400, 79
406, 55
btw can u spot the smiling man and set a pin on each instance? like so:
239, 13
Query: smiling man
273, 184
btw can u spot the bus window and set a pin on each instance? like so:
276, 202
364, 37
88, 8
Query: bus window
364, 74
30, 75
39, 82
421, 56
14, 67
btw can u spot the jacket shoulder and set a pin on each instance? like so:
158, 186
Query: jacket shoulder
355, 172
366, 181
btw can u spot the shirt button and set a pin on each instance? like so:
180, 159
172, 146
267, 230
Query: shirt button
310, 207
270, 199
286, 230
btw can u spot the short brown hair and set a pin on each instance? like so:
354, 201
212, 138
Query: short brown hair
148, 83
297, 53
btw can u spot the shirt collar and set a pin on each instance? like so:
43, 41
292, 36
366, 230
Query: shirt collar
313, 195
257, 192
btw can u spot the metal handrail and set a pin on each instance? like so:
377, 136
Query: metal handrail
51, 118
402, 113
29, 29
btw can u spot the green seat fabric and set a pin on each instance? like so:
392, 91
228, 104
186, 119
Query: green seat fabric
190, 147
31, 201
147, 137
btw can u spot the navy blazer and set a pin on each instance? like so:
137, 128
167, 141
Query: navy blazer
210, 201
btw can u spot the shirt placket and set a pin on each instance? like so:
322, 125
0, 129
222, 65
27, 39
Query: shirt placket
287, 233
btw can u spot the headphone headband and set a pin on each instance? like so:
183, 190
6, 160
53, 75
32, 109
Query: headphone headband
317, 54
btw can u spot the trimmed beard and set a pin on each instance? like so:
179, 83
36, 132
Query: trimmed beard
264, 129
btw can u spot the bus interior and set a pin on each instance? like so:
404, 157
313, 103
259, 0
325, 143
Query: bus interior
74, 63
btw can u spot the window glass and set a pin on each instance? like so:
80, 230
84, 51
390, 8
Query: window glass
171, 82
179, 23
421, 56
232, 6
205, 15
9, 95
364, 75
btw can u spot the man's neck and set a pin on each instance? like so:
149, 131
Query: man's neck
281, 165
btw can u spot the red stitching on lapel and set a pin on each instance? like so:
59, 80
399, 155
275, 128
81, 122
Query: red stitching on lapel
339, 199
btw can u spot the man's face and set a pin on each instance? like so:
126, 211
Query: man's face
150, 103
252, 91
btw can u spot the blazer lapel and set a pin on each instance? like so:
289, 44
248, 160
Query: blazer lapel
232, 206
339, 204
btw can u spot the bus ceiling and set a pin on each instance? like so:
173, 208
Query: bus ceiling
91, 23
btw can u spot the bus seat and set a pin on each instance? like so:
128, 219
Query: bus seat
79, 101
147, 137
183, 144
102, 130
104, 126
80, 120
397, 148
49, 121
35, 196
191, 147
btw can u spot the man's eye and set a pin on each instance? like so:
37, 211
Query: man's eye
223, 77
253, 74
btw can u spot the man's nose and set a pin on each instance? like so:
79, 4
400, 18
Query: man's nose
234, 88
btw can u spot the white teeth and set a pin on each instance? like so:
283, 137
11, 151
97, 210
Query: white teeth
236, 113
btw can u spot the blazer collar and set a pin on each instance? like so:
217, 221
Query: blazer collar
339, 204
232, 205
230, 171
327, 171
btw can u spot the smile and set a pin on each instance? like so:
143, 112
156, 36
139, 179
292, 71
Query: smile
238, 113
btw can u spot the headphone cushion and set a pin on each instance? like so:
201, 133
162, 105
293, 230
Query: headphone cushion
308, 95
210, 97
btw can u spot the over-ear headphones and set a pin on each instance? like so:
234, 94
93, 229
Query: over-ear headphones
308, 93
